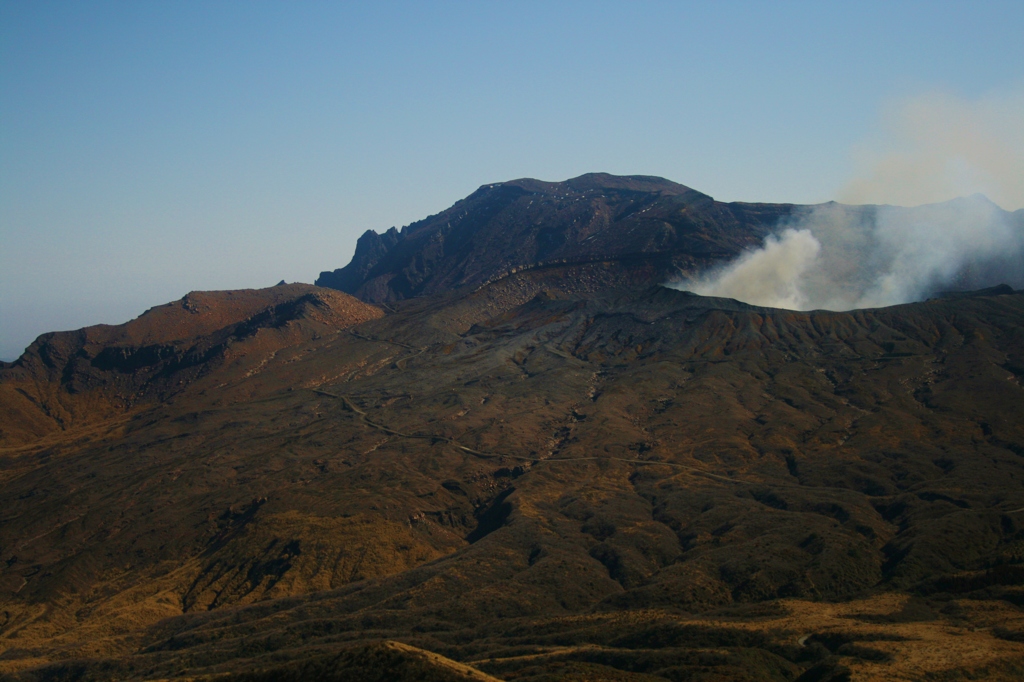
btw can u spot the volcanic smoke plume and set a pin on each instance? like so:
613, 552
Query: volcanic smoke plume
842, 257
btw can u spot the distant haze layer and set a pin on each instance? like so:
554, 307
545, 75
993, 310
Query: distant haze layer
935, 146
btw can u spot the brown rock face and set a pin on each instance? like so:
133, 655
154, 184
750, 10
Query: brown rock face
640, 229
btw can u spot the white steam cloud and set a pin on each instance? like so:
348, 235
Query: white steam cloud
840, 257
770, 276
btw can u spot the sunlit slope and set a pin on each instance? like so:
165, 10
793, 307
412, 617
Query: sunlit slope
66, 380
526, 454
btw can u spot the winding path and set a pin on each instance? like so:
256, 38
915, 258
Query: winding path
534, 461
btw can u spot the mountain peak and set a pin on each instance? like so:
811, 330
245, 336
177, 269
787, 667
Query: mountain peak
646, 229
602, 181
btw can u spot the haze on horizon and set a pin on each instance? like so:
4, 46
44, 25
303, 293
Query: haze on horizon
149, 150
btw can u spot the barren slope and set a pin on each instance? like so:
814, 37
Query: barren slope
635, 483
66, 380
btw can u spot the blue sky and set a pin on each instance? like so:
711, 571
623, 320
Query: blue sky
148, 149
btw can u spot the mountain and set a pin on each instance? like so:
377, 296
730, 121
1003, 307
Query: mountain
600, 231
521, 476
66, 379
600, 228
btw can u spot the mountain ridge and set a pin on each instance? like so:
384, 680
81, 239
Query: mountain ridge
638, 222
643, 229
500, 466
520, 467
66, 378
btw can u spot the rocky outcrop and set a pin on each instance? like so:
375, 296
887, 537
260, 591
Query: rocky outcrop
370, 249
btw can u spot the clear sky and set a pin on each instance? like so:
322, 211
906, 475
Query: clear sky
152, 148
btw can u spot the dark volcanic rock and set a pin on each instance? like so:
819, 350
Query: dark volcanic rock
654, 228
370, 249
